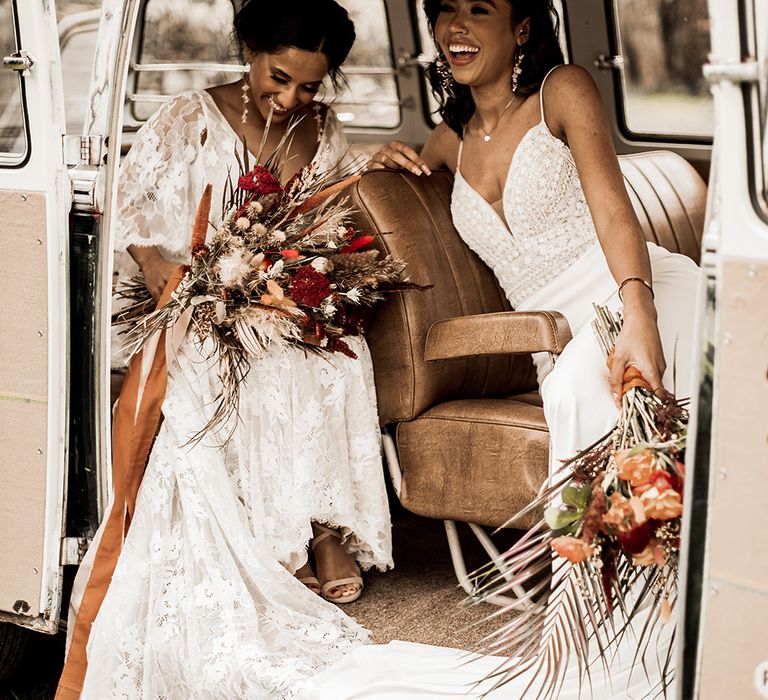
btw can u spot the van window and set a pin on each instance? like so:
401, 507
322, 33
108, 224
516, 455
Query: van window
183, 46
664, 46
78, 33
13, 127
761, 24
370, 98
189, 45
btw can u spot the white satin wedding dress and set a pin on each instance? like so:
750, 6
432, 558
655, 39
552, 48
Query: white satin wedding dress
203, 604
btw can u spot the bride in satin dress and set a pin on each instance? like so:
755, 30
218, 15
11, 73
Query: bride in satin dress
538, 194
213, 595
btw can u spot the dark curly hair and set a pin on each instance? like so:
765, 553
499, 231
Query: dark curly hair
267, 26
542, 52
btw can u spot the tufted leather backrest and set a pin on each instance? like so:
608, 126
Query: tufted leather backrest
413, 214
669, 198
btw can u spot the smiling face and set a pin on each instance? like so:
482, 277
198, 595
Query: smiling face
479, 39
285, 81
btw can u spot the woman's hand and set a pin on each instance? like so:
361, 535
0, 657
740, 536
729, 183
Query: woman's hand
638, 345
154, 267
396, 155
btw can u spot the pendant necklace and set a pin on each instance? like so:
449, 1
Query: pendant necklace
487, 134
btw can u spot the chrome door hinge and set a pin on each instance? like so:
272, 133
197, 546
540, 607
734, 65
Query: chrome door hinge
20, 61
605, 62
742, 72
73, 550
83, 156
83, 150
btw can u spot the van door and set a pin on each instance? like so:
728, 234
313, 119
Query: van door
725, 568
34, 201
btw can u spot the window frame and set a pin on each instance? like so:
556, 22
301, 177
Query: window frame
755, 114
137, 67
620, 96
15, 161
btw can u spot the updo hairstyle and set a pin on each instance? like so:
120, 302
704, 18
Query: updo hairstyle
268, 26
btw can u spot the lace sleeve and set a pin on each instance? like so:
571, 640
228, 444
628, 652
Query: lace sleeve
153, 192
334, 147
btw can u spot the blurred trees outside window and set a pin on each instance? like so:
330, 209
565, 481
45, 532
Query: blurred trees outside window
664, 44
200, 31
192, 31
370, 98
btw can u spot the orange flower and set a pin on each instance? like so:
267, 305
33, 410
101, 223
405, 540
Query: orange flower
625, 514
662, 503
573, 549
276, 296
637, 469
652, 554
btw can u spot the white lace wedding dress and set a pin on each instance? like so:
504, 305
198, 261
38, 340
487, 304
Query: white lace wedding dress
546, 255
203, 603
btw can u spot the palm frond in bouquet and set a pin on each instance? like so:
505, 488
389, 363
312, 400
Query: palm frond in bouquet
604, 551
284, 267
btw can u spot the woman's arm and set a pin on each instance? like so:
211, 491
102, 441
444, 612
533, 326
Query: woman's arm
436, 153
574, 111
154, 191
155, 269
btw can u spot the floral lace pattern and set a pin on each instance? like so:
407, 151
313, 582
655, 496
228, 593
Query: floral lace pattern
203, 603
200, 605
547, 225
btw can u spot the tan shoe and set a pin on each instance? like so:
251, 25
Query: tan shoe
328, 586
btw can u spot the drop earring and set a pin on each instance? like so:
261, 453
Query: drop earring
517, 70
444, 75
246, 90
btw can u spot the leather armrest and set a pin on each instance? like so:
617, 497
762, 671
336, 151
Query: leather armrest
502, 333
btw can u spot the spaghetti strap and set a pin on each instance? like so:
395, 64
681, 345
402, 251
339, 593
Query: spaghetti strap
541, 90
458, 155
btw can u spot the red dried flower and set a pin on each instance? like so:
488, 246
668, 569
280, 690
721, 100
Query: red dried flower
358, 243
637, 539
309, 287
338, 345
259, 181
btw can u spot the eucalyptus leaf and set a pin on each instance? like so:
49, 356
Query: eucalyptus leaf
577, 496
560, 519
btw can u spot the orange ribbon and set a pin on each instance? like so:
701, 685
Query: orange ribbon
133, 432
632, 377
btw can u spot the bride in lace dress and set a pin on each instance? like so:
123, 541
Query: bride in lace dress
539, 196
203, 602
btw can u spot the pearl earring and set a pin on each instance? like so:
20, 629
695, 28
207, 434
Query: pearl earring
517, 70
246, 90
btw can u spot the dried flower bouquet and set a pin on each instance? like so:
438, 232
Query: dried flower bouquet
605, 549
283, 267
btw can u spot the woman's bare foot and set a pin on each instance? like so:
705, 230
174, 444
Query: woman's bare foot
308, 578
334, 563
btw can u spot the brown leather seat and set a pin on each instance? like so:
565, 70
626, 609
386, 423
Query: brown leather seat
460, 396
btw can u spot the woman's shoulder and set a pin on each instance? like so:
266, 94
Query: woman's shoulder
568, 82
441, 148
568, 76
188, 105
569, 90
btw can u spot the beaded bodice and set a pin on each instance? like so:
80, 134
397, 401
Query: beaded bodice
547, 225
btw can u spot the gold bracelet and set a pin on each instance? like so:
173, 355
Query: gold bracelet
635, 279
